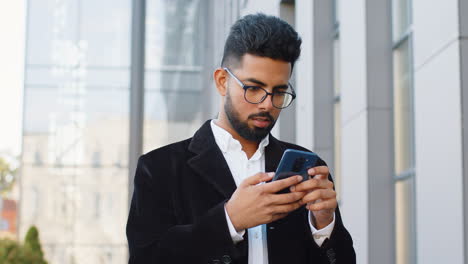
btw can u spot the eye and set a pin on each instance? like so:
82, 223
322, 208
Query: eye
253, 88
280, 93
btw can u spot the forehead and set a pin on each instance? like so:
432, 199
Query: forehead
267, 70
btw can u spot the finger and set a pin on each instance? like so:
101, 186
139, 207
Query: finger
320, 176
276, 186
312, 184
257, 178
287, 198
286, 208
322, 205
319, 170
319, 194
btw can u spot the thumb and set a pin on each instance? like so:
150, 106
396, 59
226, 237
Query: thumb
257, 178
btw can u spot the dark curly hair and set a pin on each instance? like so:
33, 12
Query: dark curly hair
264, 36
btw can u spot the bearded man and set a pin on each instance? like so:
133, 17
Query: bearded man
210, 198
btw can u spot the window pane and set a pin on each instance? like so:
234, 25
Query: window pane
403, 110
337, 150
175, 33
404, 221
336, 11
51, 28
75, 148
175, 70
106, 31
337, 116
47, 77
401, 17
336, 67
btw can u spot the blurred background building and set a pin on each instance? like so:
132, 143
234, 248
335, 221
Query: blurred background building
382, 98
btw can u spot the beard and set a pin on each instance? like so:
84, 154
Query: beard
255, 134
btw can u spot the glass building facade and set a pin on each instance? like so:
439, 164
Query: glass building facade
403, 133
74, 175
175, 70
75, 164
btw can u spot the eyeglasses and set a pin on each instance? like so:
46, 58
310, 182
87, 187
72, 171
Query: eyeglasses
255, 94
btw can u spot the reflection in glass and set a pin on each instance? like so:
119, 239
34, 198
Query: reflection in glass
337, 150
401, 17
174, 79
76, 128
336, 11
337, 116
403, 113
403, 109
336, 67
404, 221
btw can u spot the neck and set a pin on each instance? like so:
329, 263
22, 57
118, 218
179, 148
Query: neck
249, 147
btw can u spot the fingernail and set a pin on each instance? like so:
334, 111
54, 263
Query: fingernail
299, 178
271, 174
311, 171
292, 188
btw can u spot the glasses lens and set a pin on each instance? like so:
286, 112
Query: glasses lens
279, 99
282, 99
254, 94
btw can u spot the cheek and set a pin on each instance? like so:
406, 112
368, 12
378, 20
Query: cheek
239, 105
239, 102
275, 112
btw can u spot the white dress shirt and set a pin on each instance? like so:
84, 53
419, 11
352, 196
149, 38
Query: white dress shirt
241, 167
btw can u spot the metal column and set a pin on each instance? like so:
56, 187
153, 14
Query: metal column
137, 77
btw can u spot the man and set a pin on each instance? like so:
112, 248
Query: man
208, 199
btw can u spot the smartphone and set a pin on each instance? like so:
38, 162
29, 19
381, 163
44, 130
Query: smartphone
295, 162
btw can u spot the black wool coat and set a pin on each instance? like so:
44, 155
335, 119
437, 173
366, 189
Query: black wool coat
177, 211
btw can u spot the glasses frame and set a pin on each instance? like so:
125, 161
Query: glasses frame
245, 87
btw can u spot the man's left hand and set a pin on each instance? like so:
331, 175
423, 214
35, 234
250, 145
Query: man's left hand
320, 197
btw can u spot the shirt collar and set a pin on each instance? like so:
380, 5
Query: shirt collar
227, 143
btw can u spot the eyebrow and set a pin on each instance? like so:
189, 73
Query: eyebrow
281, 86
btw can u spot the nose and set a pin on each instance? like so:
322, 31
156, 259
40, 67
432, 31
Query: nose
267, 103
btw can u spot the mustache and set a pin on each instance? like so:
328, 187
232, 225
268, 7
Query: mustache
262, 114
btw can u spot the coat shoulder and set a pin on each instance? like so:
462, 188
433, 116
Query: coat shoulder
168, 151
156, 165
287, 145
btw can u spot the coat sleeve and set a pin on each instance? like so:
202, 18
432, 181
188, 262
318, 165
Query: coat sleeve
154, 233
339, 248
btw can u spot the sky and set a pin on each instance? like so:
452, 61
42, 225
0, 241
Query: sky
12, 36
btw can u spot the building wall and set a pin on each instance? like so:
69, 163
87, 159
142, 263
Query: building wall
439, 65
438, 128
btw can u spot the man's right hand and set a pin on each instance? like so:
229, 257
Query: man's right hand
254, 204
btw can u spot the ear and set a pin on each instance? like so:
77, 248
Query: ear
220, 78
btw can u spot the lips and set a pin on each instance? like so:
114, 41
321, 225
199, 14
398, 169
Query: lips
261, 121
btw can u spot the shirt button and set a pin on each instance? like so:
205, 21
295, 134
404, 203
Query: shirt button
256, 235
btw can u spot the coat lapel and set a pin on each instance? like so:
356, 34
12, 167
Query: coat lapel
209, 161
